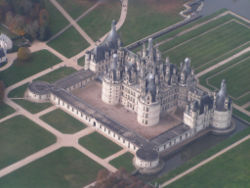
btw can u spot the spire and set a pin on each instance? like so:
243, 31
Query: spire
223, 89
150, 44
221, 97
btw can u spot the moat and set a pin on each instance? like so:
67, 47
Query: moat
193, 149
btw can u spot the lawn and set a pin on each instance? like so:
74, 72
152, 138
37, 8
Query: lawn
57, 74
81, 61
99, 145
98, 22
18, 71
32, 107
5, 110
203, 156
76, 7
69, 43
20, 137
56, 20
124, 161
18, 92
237, 78
209, 46
236, 85
145, 17
232, 169
63, 168
63, 122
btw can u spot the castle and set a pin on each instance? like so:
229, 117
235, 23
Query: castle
145, 85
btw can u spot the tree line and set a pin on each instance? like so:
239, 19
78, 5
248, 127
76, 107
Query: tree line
27, 18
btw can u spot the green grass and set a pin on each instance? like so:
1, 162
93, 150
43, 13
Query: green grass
5, 110
32, 107
99, 145
241, 115
230, 83
63, 168
232, 169
69, 43
18, 71
203, 156
56, 20
210, 45
76, 7
98, 22
81, 61
248, 108
124, 161
237, 78
144, 18
20, 137
18, 92
57, 74
63, 122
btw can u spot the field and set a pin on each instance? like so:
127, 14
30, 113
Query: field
57, 20
5, 110
76, 7
203, 156
124, 161
231, 72
63, 168
57, 74
145, 17
63, 122
209, 45
18, 71
20, 137
98, 22
232, 169
69, 43
99, 145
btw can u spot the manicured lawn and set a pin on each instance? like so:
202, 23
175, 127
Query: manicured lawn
203, 156
20, 137
5, 110
63, 122
124, 161
57, 74
241, 115
98, 22
210, 45
57, 20
232, 169
18, 92
81, 61
99, 145
76, 7
237, 85
237, 78
145, 17
69, 43
63, 168
18, 71
32, 107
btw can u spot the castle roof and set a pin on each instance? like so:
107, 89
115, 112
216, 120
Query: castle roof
2, 52
221, 97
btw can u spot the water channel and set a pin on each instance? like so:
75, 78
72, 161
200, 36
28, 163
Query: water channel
193, 149
241, 7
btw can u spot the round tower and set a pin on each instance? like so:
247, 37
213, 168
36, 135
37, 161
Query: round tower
149, 108
222, 109
111, 84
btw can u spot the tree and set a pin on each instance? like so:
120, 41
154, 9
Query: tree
1, 91
43, 17
23, 54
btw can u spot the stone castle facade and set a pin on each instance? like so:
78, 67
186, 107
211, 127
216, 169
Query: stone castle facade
145, 84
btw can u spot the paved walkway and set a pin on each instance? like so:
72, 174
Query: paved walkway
72, 21
11, 57
202, 163
63, 140
76, 20
119, 153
